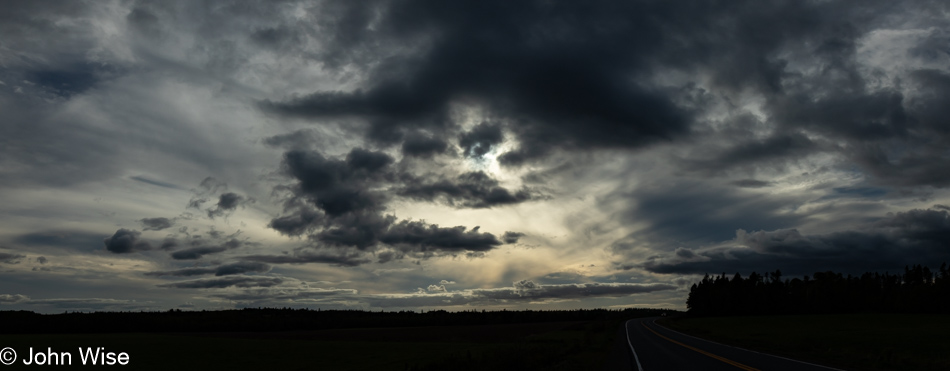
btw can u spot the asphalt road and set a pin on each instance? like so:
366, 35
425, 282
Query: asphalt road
651, 347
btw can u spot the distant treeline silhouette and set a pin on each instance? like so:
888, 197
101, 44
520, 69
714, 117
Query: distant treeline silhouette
287, 319
917, 290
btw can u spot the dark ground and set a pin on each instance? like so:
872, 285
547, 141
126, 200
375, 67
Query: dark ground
508, 340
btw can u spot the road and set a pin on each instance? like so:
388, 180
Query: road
651, 347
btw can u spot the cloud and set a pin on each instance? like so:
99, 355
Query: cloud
338, 187
562, 91
474, 189
422, 146
156, 224
13, 298
208, 188
71, 303
303, 256
221, 270
126, 241
10, 258
437, 296
241, 268
905, 238
651, 129
690, 212
340, 203
199, 251
777, 149
277, 294
227, 281
156, 182
436, 288
72, 239
481, 139
512, 237
184, 272
520, 292
227, 203
420, 235
750, 183
304, 219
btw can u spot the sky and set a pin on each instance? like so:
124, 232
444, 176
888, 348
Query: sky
420, 155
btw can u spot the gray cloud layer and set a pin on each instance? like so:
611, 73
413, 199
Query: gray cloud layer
905, 238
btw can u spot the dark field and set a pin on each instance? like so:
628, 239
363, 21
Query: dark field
848, 341
554, 345
559, 346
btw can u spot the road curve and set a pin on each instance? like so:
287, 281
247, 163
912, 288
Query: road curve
655, 348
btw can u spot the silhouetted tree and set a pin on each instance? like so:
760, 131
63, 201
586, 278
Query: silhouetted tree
917, 290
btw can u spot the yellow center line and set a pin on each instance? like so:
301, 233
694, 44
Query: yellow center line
729, 361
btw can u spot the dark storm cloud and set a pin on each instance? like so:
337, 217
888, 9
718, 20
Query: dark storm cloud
68, 80
546, 76
223, 282
299, 139
184, 272
867, 116
126, 241
928, 109
10, 258
303, 219
474, 189
512, 237
222, 270
778, 148
156, 224
525, 62
750, 183
227, 203
303, 256
905, 238
554, 82
339, 187
275, 37
424, 236
339, 202
418, 145
919, 159
692, 213
481, 139
198, 252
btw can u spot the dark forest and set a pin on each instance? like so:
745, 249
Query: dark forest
917, 290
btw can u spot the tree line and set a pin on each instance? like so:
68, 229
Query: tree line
917, 290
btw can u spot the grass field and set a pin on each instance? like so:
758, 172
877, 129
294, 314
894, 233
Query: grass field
555, 346
849, 341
